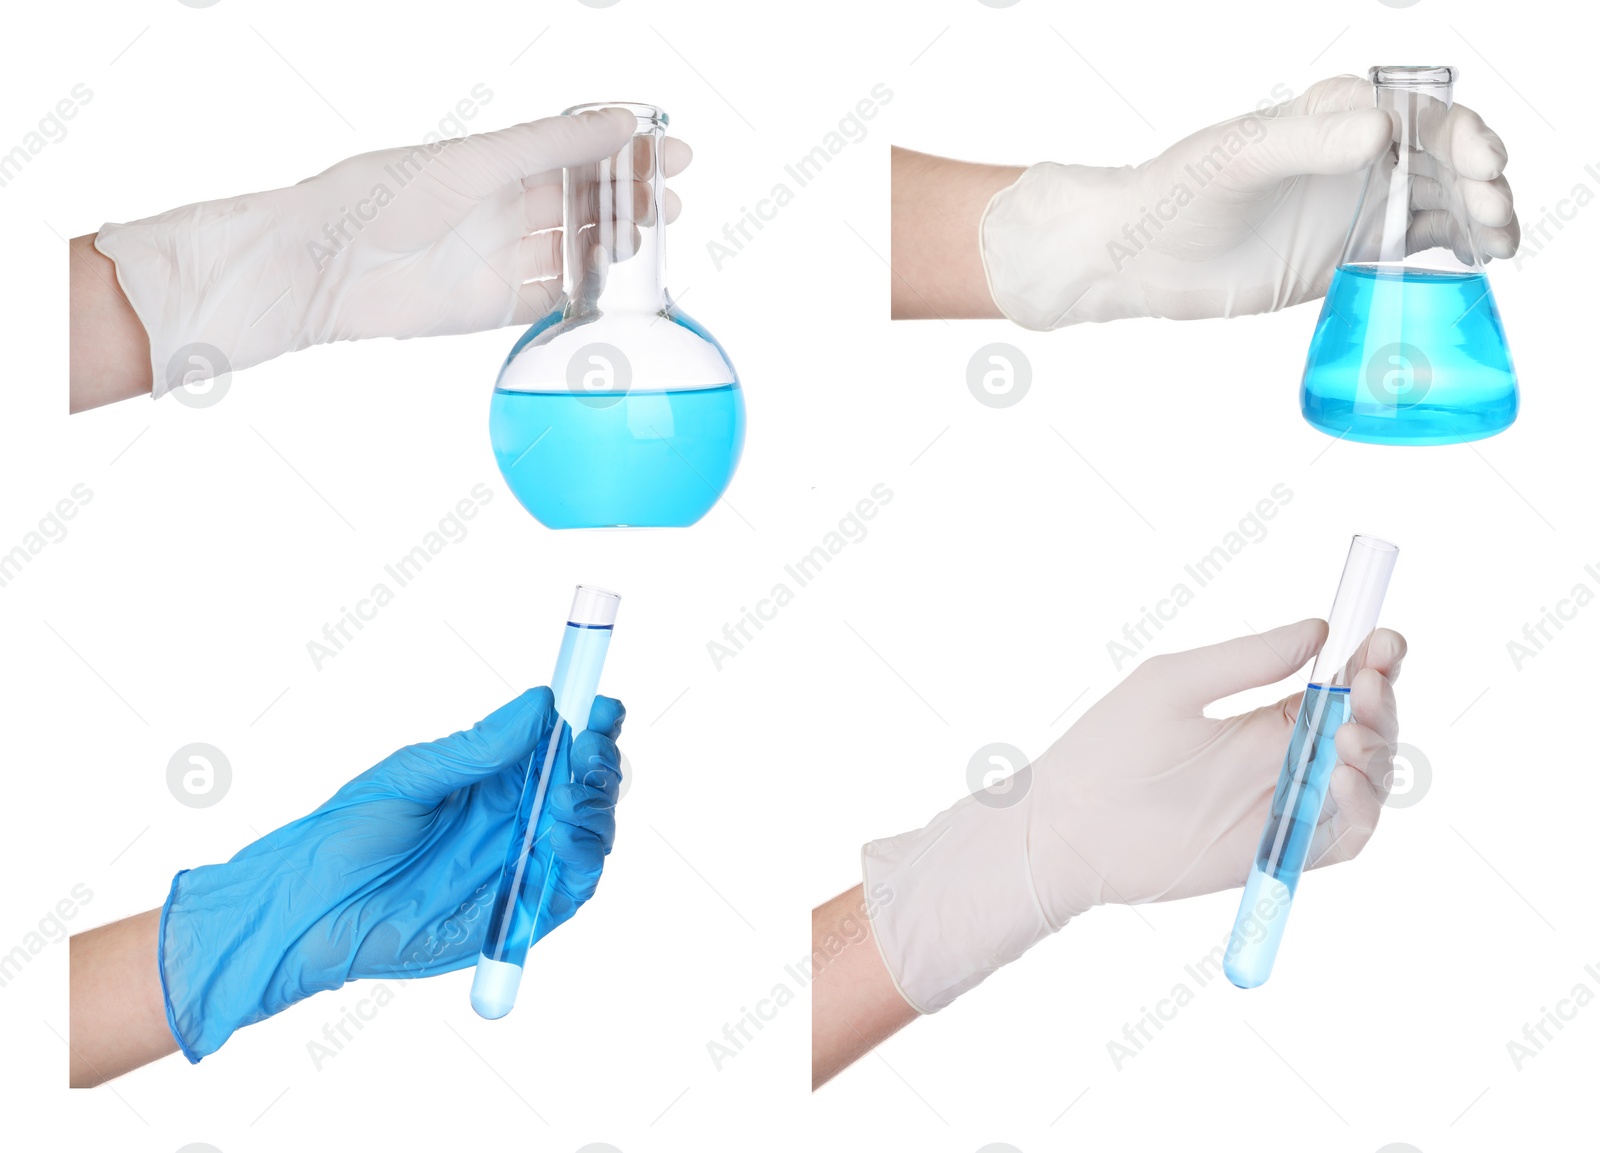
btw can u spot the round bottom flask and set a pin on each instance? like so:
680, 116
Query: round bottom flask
617, 409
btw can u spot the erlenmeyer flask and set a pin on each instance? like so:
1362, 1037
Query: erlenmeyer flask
1409, 348
617, 409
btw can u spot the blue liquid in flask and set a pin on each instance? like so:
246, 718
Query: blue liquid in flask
643, 457
1409, 356
1296, 807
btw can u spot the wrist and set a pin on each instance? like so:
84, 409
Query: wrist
207, 283
219, 951
1052, 246
957, 900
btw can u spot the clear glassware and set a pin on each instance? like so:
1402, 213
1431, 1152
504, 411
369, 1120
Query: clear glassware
1409, 348
617, 409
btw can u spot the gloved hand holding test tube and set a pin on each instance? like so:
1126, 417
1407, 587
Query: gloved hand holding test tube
1303, 783
523, 890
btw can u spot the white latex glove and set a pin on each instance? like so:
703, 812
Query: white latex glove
426, 240
1144, 799
1258, 229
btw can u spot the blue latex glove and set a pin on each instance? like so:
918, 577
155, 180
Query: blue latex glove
393, 876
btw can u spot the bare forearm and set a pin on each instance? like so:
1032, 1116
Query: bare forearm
118, 1018
854, 1004
935, 208
109, 351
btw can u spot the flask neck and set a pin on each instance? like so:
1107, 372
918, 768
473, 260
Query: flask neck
1417, 100
613, 227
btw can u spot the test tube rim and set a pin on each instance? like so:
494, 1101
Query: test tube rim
1413, 75
1374, 542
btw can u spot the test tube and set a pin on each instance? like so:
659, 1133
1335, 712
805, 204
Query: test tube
519, 898
1303, 781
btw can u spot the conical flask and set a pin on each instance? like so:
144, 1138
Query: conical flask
1409, 348
617, 409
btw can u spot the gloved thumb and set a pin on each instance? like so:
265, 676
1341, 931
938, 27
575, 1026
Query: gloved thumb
1321, 144
508, 736
1197, 677
490, 160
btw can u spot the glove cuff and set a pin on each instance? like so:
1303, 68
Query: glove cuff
219, 956
959, 900
196, 278
1049, 243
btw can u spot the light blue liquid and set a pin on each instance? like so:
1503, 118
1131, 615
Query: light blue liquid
601, 459
1291, 824
1409, 357
517, 918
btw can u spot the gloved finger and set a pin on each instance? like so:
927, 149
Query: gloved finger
490, 160
671, 205
1500, 243
539, 257
1369, 751
1349, 816
1485, 201
535, 297
1386, 651
1373, 705
586, 797
1489, 204
1462, 141
1335, 94
506, 737
1436, 228
1199, 676
676, 155
1327, 144
603, 200
606, 717
542, 208
597, 767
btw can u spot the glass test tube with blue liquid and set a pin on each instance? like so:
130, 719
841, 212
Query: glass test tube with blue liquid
1303, 782
519, 899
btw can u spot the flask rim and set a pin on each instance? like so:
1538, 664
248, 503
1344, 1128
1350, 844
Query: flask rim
649, 115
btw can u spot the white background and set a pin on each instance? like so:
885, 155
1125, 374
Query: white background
1018, 542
